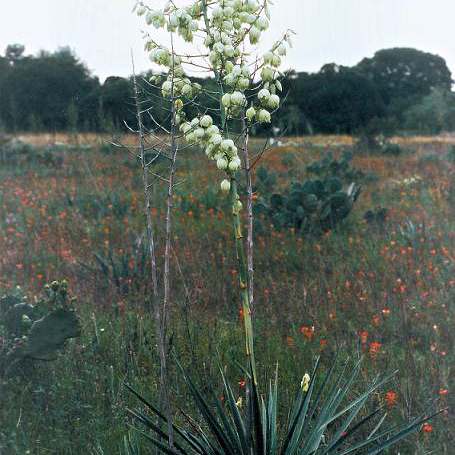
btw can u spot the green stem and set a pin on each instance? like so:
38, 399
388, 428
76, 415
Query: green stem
243, 279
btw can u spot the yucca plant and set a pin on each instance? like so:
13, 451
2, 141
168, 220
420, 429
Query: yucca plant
320, 420
323, 418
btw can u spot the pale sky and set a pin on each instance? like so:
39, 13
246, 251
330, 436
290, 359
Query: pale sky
103, 32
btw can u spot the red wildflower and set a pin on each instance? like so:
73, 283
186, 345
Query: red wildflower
427, 428
391, 397
363, 337
443, 392
374, 347
307, 332
242, 383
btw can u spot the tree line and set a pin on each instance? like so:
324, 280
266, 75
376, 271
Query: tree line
398, 89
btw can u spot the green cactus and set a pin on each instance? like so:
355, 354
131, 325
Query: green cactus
316, 205
36, 331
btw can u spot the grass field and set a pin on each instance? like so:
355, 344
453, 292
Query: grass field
384, 291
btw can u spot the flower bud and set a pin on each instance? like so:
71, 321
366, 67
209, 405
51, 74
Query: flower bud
264, 116
227, 26
274, 101
186, 90
219, 47
226, 100
194, 26
229, 66
199, 133
206, 121
237, 23
305, 382
213, 57
234, 164
216, 139
263, 95
267, 74
236, 71
191, 138
276, 61
230, 79
262, 23
250, 113
166, 88
212, 130
246, 71
225, 185
222, 163
268, 57
255, 34
252, 6
229, 50
237, 98
281, 49
185, 127
243, 83
227, 144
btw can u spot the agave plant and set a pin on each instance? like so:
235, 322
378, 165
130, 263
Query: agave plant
320, 422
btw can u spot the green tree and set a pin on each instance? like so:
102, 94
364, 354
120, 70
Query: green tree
406, 73
433, 114
336, 99
43, 86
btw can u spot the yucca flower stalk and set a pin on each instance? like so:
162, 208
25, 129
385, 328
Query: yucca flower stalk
320, 422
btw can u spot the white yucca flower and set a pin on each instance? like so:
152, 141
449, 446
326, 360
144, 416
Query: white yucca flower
264, 116
225, 185
250, 113
264, 95
206, 121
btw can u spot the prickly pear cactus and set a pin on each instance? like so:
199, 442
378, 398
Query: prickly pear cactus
35, 331
312, 206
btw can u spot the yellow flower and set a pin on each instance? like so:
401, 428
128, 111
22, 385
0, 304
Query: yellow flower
239, 402
305, 382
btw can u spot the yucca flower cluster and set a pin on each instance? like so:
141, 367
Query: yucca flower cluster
223, 151
248, 88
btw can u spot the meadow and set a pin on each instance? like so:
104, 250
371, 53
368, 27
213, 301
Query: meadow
382, 289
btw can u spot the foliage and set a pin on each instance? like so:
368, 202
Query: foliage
433, 114
399, 88
128, 271
389, 149
337, 99
403, 73
310, 206
450, 154
15, 152
36, 331
364, 290
378, 215
320, 420
329, 167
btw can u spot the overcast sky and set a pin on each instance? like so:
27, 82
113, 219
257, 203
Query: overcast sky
102, 32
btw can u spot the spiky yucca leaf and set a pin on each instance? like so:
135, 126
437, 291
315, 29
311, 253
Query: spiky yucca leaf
255, 430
